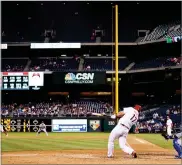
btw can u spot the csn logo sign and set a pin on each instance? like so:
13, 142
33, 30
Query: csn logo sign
79, 78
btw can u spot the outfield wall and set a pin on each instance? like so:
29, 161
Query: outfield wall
30, 124
67, 124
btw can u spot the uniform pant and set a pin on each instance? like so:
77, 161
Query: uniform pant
40, 130
178, 146
119, 132
1, 128
169, 130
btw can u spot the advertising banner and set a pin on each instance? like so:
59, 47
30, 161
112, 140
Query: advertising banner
109, 124
94, 126
79, 77
69, 125
34, 124
25, 125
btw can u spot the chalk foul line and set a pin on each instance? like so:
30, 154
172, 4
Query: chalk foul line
141, 141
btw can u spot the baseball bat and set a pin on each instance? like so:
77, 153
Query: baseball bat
99, 114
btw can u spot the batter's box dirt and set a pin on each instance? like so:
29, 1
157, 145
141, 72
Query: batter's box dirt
80, 156
86, 157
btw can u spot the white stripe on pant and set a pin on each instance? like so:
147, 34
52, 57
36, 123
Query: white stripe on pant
119, 132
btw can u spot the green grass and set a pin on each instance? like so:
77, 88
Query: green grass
156, 139
55, 141
68, 141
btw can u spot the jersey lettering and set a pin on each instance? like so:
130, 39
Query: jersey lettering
133, 118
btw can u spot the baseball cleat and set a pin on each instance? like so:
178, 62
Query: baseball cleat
110, 156
178, 157
134, 155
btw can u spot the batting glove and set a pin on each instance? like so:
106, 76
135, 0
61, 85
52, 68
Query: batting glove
113, 116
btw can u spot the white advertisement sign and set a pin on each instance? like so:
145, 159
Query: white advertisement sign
69, 125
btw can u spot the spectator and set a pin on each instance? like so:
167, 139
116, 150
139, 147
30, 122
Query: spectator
175, 112
168, 112
149, 128
152, 121
155, 115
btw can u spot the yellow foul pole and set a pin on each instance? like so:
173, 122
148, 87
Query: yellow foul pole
116, 61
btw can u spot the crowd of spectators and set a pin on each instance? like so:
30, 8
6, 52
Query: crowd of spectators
56, 109
154, 120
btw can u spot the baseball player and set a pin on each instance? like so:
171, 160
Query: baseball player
42, 127
3, 130
177, 144
128, 118
169, 125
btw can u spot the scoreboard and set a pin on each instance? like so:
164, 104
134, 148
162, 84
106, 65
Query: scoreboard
15, 81
21, 80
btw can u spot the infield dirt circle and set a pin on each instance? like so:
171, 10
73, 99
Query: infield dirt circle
148, 153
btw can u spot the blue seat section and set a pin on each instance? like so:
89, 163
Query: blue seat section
158, 62
104, 64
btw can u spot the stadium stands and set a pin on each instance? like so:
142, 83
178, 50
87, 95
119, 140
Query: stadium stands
13, 64
155, 118
104, 64
164, 31
150, 120
54, 64
62, 64
158, 62
93, 64
45, 109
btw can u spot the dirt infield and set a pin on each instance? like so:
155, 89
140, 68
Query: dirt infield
147, 153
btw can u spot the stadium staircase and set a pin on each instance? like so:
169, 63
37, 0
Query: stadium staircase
28, 65
81, 64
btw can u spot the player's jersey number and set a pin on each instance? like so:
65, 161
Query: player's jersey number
134, 118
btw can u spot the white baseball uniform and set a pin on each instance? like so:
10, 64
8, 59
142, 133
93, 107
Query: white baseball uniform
1, 128
121, 131
169, 127
42, 127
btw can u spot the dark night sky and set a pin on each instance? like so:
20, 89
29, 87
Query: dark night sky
74, 21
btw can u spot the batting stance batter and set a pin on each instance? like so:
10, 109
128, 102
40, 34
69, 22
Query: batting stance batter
128, 118
42, 127
3, 130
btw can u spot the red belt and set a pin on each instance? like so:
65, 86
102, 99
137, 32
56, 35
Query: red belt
124, 126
